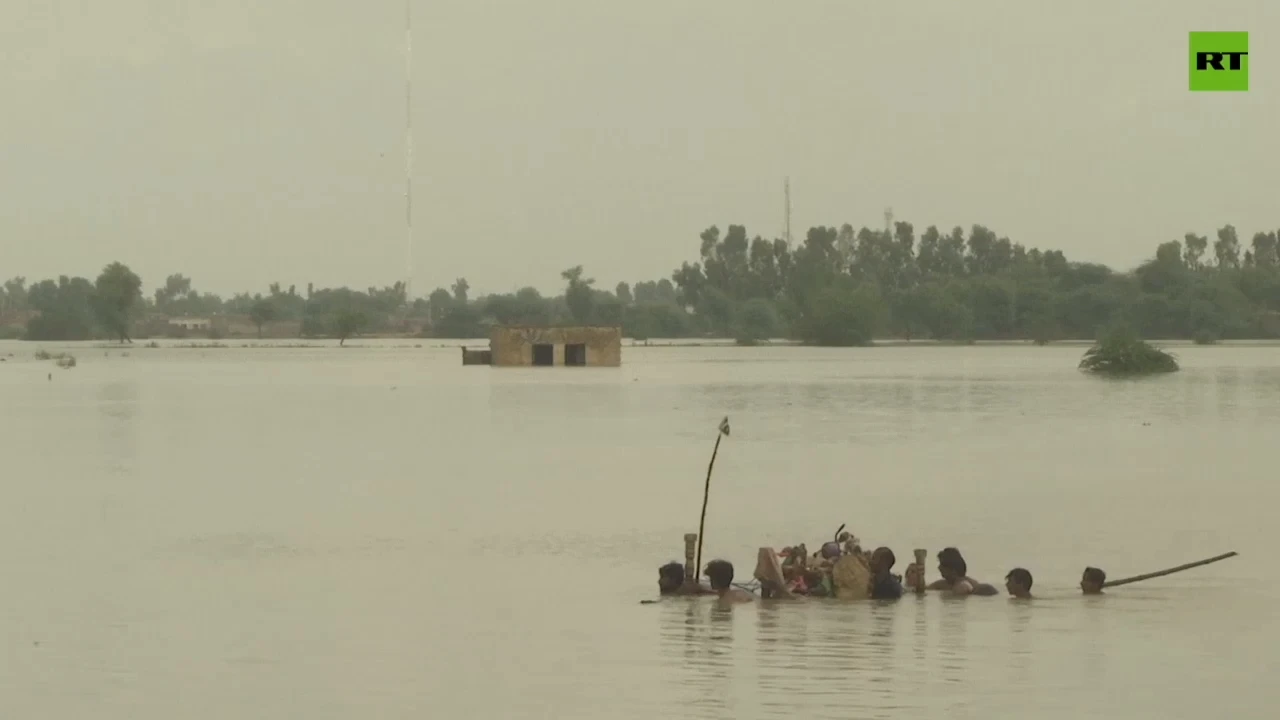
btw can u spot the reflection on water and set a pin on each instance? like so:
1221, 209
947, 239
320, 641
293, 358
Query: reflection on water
118, 401
280, 533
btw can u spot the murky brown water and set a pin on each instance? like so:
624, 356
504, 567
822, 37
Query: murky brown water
378, 532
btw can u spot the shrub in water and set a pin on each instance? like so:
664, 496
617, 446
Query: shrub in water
1121, 352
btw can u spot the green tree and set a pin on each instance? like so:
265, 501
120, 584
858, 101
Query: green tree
262, 312
1194, 247
176, 286
461, 322
607, 309
1264, 252
15, 294
438, 304
460, 289
1227, 248
843, 315
118, 293
347, 323
578, 294
1119, 352
64, 309
757, 321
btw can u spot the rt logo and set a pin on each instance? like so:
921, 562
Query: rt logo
1219, 62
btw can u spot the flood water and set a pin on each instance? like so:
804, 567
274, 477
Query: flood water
379, 532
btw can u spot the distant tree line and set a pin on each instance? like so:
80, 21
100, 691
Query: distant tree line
72, 308
839, 286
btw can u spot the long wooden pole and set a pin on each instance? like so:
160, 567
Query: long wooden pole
1170, 571
706, 493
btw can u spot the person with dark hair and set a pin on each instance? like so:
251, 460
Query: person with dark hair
670, 578
720, 573
955, 576
884, 585
1018, 583
671, 581
1092, 580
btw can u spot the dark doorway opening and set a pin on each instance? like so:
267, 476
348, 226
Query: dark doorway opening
544, 354
575, 354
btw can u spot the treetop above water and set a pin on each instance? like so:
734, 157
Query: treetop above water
1120, 352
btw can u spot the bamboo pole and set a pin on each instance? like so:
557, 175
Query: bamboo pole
1170, 571
721, 431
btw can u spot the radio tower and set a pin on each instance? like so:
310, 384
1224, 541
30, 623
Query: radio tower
408, 148
786, 211
888, 223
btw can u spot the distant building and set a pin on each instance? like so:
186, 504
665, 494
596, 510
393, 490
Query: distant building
585, 346
190, 323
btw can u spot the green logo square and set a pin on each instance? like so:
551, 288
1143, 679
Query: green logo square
1219, 62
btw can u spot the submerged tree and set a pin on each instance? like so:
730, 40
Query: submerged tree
1120, 352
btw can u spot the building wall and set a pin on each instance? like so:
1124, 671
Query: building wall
607, 350
513, 345
236, 326
190, 323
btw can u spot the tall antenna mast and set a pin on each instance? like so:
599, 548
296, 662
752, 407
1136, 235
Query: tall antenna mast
888, 223
408, 147
786, 211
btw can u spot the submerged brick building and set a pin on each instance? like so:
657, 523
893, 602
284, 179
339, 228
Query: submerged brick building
578, 346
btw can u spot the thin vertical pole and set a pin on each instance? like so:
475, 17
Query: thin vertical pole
786, 211
408, 146
707, 493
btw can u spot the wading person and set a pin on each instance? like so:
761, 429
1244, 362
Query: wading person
671, 581
884, 585
1018, 583
954, 571
720, 573
1092, 580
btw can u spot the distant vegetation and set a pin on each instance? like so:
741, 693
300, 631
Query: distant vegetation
1121, 352
840, 286
62, 359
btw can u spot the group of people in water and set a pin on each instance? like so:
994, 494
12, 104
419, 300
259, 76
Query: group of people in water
803, 575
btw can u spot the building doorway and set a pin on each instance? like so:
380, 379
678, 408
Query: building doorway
544, 354
575, 354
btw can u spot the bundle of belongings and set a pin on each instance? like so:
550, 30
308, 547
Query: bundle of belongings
839, 569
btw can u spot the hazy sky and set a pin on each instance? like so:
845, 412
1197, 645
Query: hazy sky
243, 143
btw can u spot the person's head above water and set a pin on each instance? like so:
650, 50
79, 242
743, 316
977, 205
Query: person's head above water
882, 560
720, 573
951, 565
1092, 580
670, 578
1018, 583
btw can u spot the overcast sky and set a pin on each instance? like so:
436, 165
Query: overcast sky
243, 143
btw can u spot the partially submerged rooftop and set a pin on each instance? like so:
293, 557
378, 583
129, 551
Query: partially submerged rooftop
551, 345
